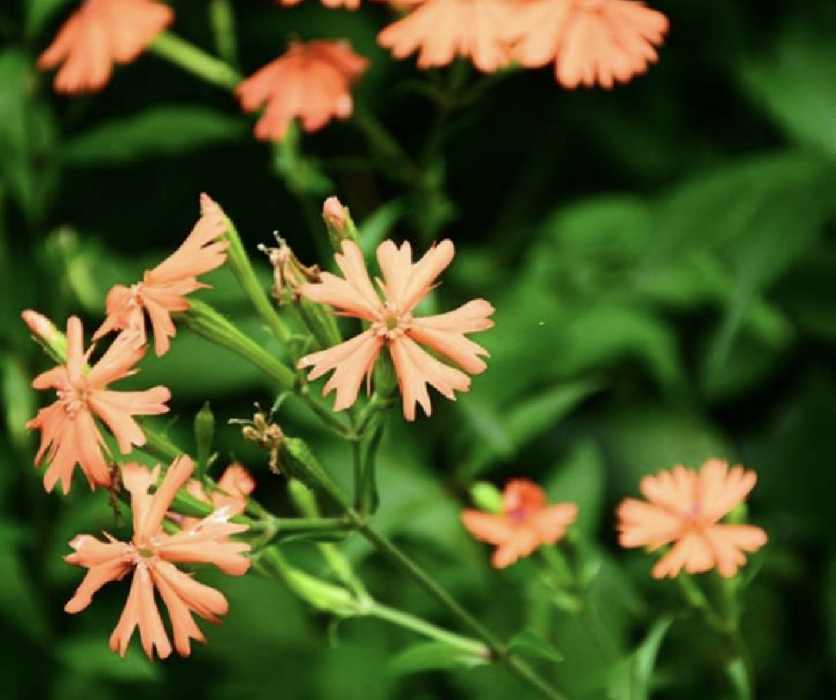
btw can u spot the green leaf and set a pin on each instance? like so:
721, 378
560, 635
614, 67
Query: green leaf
796, 84
162, 131
580, 479
38, 11
529, 643
91, 656
21, 603
632, 679
427, 656
739, 678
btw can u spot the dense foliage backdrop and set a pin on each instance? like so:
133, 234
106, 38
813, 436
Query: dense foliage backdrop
663, 262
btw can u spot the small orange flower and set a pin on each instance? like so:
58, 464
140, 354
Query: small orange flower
590, 41
525, 523
151, 555
164, 288
99, 34
393, 325
235, 484
685, 508
444, 29
310, 81
69, 434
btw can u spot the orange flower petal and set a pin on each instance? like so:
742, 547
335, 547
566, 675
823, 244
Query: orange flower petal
494, 529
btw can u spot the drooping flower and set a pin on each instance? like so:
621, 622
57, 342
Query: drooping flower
590, 41
163, 289
525, 523
69, 433
151, 555
99, 34
310, 82
685, 509
393, 325
444, 29
235, 484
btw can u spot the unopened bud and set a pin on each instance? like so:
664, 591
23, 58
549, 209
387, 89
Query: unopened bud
204, 433
45, 332
339, 223
486, 497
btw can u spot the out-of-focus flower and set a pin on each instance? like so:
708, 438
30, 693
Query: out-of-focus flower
333, 4
163, 289
235, 484
685, 508
592, 42
444, 29
310, 81
151, 556
99, 34
525, 523
404, 285
69, 434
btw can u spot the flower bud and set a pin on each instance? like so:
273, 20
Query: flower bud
486, 497
339, 223
46, 334
204, 433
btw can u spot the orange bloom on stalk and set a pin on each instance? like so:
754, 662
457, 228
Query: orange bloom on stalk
392, 325
444, 29
310, 81
685, 508
99, 34
590, 41
525, 523
164, 288
151, 556
69, 434
235, 484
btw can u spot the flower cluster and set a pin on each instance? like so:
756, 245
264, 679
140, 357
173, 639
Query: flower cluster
589, 42
684, 509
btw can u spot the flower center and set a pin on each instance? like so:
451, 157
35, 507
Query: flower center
135, 299
74, 399
518, 514
693, 514
391, 323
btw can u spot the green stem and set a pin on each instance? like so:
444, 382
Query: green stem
498, 650
241, 266
427, 629
223, 25
195, 61
397, 160
208, 323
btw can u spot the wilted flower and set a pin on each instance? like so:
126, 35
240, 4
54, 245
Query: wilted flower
69, 434
310, 81
99, 34
151, 556
685, 509
525, 523
444, 29
590, 41
163, 289
404, 285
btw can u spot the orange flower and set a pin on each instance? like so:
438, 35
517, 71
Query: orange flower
236, 483
590, 41
525, 523
99, 34
393, 325
333, 4
444, 29
151, 555
164, 288
310, 81
685, 508
69, 434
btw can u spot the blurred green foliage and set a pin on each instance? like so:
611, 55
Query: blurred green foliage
663, 263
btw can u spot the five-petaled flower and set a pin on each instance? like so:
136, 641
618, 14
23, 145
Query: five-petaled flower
69, 434
151, 556
310, 81
99, 34
444, 29
525, 523
163, 289
686, 508
393, 325
590, 41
